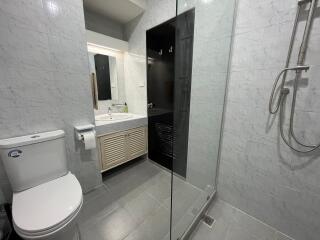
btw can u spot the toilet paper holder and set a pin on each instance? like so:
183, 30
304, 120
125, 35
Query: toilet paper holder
79, 130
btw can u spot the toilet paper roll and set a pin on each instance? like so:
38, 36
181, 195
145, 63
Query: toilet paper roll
89, 139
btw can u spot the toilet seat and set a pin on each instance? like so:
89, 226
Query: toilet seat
46, 208
48, 232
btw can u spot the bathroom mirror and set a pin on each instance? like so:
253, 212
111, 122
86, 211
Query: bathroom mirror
106, 66
103, 70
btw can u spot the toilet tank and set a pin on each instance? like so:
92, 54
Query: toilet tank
34, 159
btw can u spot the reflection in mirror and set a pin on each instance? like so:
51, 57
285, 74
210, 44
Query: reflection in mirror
106, 64
94, 91
104, 69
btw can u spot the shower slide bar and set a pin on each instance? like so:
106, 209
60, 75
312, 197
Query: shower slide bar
283, 91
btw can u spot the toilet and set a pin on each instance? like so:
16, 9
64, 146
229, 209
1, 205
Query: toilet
47, 198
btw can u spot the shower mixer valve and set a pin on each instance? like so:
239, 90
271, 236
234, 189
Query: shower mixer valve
300, 68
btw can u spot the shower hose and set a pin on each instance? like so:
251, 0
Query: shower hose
281, 101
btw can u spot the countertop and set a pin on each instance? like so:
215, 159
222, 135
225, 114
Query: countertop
105, 127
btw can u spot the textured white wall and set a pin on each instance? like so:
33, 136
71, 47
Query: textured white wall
44, 78
258, 173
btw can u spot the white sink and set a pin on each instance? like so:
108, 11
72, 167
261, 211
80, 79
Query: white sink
113, 116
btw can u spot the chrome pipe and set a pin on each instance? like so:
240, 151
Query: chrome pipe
301, 58
293, 34
306, 34
299, 68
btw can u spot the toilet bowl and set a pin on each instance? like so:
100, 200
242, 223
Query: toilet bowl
47, 198
48, 211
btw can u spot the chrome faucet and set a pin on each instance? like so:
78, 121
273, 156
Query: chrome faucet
109, 111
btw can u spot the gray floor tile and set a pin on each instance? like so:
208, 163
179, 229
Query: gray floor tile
88, 232
136, 172
238, 233
126, 184
95, 193
134, 203
233, 224
96, 204
217, 232
181, 225
254, 226
182, 202
132, 180
140, 206
114, 226
137, 235
232, 215
221, 210
160, 187
280, 236
157, 225
167, 237
198, 203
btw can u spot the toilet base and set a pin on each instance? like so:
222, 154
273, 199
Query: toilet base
69, 232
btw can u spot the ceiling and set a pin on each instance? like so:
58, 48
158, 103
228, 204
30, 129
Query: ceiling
121, 11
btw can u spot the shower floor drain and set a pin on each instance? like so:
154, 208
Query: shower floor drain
208, 220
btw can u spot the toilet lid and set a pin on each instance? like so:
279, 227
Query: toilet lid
44, 206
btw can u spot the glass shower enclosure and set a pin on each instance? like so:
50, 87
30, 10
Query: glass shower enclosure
187, 71
203, 35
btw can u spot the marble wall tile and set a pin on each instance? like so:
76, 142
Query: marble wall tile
185, 5
212, 40
44, 81
203, 144
217, 16
258, 173
253, 15
64, 50
156, 13
27, 14
255, 191
65, 18
251, 198
250, 54
210, 55
135, 83
32, 52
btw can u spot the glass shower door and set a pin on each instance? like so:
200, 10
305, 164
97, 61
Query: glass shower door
202, 50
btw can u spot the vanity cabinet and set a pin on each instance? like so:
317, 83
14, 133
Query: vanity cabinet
120, 147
